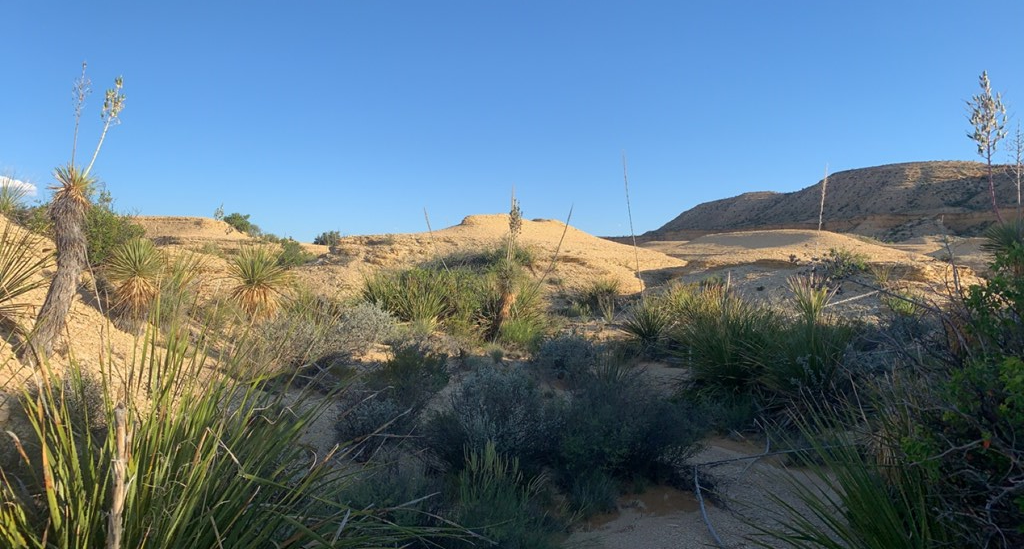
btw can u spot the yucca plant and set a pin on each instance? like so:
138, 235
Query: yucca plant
810, 297
873, 500
1006, 241
68, 213
135, 270
647, 323
259, 281
196, 461
11, 196
20, 266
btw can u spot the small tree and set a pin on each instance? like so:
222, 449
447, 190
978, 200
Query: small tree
988, 118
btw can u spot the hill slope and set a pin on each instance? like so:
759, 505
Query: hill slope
895, 201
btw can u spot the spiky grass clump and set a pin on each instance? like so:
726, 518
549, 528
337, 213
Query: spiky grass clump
599, 296
11, 196
19, 267
205, 462
856, 498
647, 323
259, 281
810, 297
1006, 241
135, 270
726, 339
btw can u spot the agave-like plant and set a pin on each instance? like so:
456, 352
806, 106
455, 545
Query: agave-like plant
810, 297
259, 280
135, 270
19, 267
1006, 240
11, 195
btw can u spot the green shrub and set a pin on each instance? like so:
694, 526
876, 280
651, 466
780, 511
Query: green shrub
106, 230
568, 355
858, 499
328, 238
198, 473
647, 323
599, 296
496, 405
241, 223
496, 500
385, 408
726, 339
622, 427
594, 493
842, 263
292, 254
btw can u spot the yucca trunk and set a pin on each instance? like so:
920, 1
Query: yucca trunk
67, 211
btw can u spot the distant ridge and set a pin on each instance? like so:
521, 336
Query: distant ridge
891, 202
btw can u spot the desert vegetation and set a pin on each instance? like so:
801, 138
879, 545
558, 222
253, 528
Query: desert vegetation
474, 399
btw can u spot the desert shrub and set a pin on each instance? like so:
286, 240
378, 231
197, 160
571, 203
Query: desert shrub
401, 489
903, 303
568, 355
599, 296
969, 433
328, 238
316, 331
240, 222
622, 427
135, 269
593, 493
106, 230
198, 474
862, 498
415, 295
806, 359
496, 405
292, 254
497, 500
842, 263
12, 196
726, 339
385, 407
647, 323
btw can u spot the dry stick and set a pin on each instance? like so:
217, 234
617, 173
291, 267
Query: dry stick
433, 245
821, 209
120, 470
554, 258
703, 509
632, 234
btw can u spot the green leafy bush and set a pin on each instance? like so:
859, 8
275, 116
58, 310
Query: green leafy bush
106, 230
385, 407
568, 355
240, 222
494, 405
328, 238
620, 426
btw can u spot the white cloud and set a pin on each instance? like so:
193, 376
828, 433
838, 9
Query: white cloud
30, 189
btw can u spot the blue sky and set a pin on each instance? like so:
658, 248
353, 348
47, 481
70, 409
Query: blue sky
354, 116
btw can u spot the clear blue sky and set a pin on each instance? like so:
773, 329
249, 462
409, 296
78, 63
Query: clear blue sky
354, 116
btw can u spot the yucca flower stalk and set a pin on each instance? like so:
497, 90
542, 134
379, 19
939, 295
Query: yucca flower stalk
259, 281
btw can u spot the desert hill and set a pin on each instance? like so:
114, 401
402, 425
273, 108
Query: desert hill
892, 202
